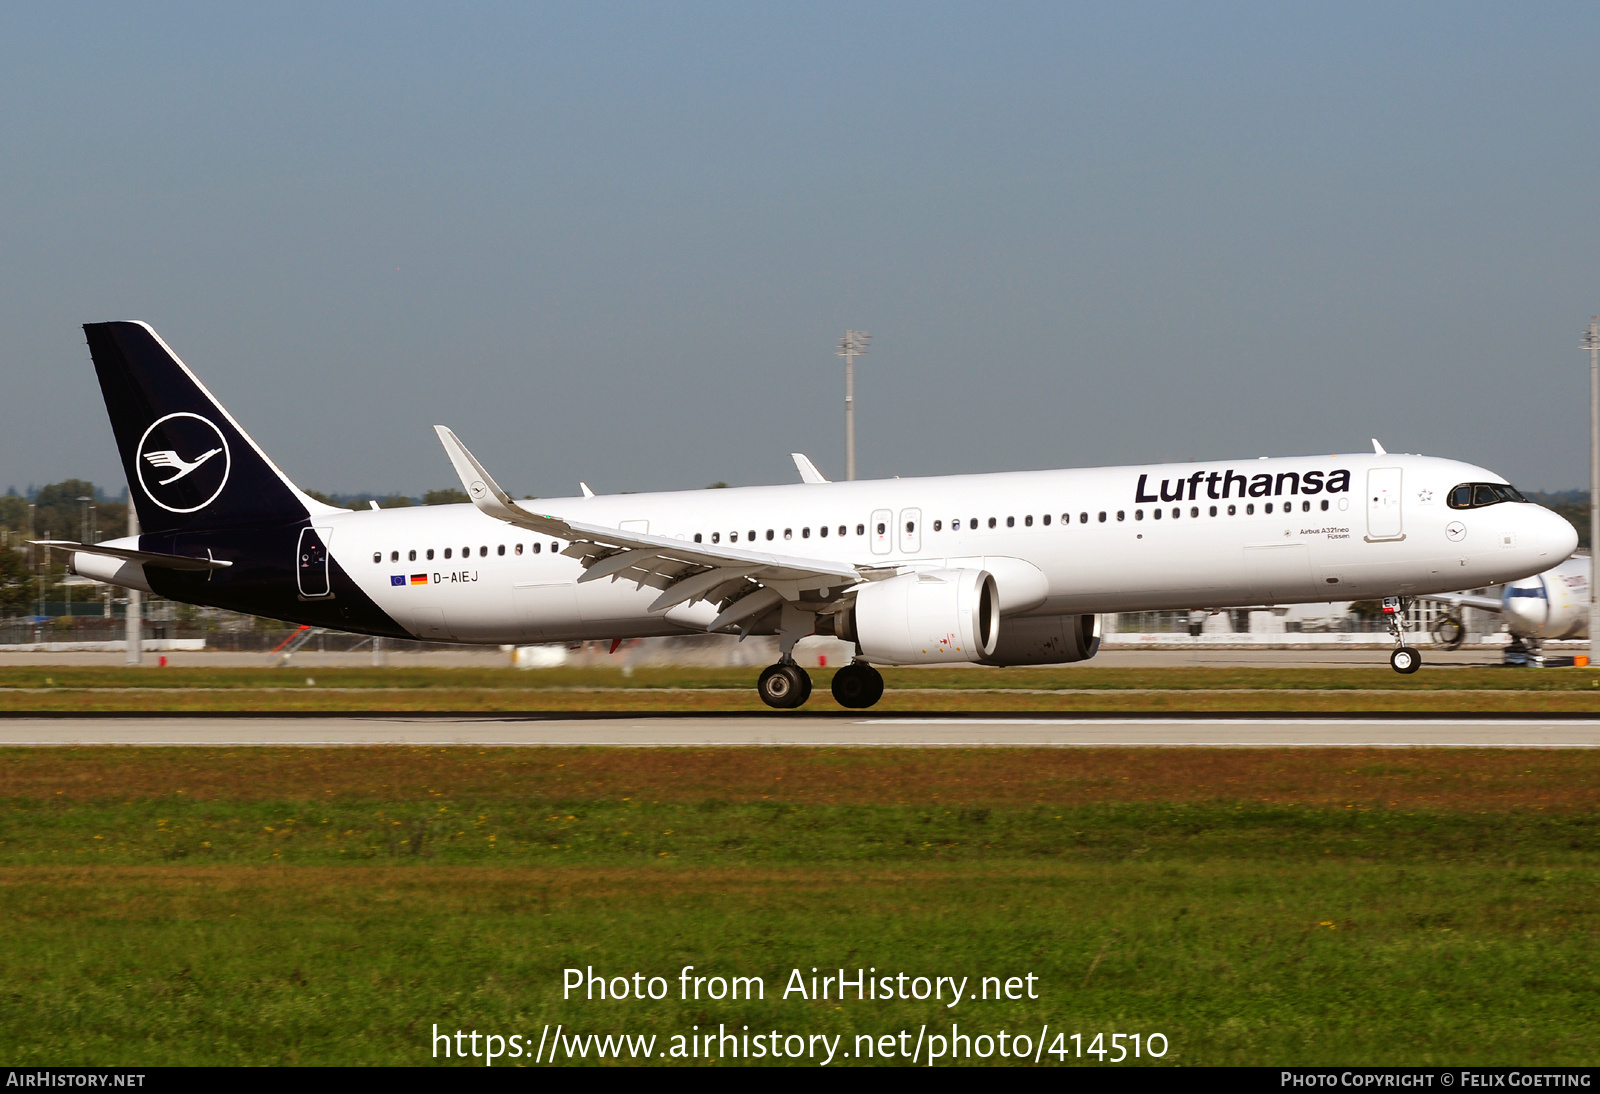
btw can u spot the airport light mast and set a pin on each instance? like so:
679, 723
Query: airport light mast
851, 346
1591, 342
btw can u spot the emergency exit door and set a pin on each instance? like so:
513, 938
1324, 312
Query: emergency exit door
1383, 503
882, 531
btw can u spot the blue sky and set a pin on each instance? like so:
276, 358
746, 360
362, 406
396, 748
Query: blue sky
618, 242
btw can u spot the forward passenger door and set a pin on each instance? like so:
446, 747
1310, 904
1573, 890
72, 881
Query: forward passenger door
1383, 503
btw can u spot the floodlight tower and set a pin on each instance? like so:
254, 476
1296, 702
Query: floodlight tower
851, 346
1591, 342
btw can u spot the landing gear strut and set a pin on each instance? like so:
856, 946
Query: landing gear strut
858, 685
1405, 659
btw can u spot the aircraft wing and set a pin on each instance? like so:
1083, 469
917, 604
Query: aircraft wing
148, 558
746, 583
1463, 600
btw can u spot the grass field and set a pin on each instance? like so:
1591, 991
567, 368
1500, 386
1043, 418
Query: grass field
1339, 689
1254, 906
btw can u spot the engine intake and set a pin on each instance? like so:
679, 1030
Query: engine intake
927, 618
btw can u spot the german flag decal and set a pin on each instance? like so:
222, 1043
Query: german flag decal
419, 579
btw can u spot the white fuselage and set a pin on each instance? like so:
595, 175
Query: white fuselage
1041, 533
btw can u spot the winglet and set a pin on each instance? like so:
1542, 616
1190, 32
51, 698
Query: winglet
480, 485
1378, 449
808, 470
585, 488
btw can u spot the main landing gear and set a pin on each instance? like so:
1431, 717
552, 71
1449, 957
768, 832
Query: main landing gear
858, 685
1405, 659
786, 685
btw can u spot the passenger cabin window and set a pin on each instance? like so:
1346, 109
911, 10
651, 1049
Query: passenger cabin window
1324, 505
1250, 510
1233, 510
769, 533
861, 529
992, 522
788, 533
447, 552
938, 525
1194, 511
1102, 516
911, 526
1267, 508
823, 531
430, 554
696, 537
377, 557
1121, 514
519, 546
1011, 522
1083, 518
1475, 495
881, 528
501, 549
805, 533
394, 556
842, 529
1045, 519
537, 547
1213, 510
1138, 514
716, 537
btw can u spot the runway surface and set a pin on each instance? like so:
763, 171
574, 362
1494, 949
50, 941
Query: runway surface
900, 730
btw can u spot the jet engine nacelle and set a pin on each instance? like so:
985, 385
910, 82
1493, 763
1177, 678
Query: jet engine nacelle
1046, 640
926, 618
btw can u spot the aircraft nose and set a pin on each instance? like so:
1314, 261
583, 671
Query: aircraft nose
1551, 534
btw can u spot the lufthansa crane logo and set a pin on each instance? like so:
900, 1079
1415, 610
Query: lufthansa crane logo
183, 462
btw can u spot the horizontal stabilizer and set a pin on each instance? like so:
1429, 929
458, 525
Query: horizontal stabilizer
147, 558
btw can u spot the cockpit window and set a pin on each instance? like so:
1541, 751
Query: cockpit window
1475, 495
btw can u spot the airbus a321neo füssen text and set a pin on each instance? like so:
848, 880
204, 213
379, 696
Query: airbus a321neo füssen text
998, 569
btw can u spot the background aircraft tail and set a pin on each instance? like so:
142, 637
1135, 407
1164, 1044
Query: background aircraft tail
189, 464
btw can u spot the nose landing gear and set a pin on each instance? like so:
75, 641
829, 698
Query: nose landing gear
1405, 659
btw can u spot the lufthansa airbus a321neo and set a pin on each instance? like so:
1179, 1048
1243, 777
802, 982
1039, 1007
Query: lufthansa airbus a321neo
997, 569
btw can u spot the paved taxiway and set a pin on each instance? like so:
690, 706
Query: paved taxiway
896, 730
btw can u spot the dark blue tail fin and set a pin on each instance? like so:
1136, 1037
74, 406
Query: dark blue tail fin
189, 464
